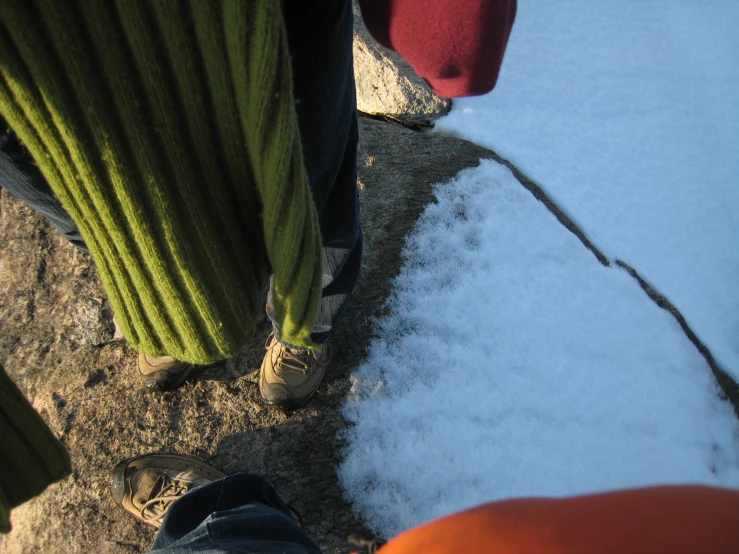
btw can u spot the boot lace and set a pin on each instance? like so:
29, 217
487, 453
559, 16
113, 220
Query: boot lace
169, 490
298, 360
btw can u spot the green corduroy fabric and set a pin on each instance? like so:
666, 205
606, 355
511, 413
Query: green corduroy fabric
31, 457
168, 131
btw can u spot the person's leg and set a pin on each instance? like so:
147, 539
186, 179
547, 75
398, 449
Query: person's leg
20, 176
320, 35
198, 509
241, 513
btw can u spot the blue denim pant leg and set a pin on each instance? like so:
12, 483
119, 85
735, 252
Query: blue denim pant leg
319, 34
242, 513
21, 178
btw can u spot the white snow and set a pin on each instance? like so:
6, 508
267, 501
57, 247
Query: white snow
627, 114
512, 363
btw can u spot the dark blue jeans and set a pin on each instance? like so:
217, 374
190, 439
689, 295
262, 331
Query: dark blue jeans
319, 35
242, 513
20, 177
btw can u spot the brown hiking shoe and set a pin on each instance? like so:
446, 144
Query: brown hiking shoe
289, 378
163, 373
146, 486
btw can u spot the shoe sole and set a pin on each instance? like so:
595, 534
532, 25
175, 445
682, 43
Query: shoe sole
289, 405
151, 383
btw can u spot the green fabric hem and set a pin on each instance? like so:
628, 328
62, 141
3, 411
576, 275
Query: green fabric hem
168, 132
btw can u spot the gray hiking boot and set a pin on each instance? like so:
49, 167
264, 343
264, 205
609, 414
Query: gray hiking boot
289, 378
163, 373
146, 486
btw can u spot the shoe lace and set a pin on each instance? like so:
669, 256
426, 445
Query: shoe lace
299, 360
170, 490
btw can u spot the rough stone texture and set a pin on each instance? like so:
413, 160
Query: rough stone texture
386, 83
57, 341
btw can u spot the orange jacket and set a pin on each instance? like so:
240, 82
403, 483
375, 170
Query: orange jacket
659, 520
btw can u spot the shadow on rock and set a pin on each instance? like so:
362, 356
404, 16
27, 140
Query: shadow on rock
57, 342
